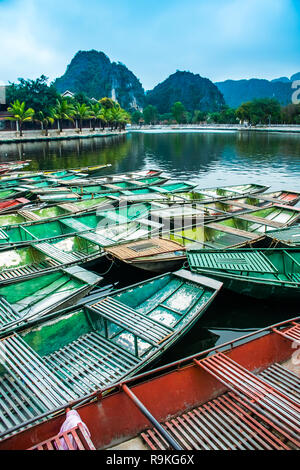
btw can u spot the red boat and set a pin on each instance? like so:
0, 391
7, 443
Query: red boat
244, 394
13, 204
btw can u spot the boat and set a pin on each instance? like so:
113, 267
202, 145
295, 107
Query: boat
142, 176
86, 169
261, 273
168, 251
290, 198
13, 204
33, 298
105, 228
39, 212
240, 395
67, 355
225, 192
146, 193
34, 259
285, 237
261, 220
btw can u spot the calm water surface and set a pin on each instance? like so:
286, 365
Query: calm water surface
207, 159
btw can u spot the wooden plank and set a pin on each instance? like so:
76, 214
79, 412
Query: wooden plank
233, 231
153, 246
261, 220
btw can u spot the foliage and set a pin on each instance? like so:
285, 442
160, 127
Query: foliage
150, 114
63, 111
81, 112
179, 112
260, 111
20, 114
290, 114
136, 117
35, 93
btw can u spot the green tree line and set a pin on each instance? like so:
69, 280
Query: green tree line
35, 101
260, 111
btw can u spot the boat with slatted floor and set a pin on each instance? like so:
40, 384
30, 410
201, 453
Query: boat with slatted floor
261, 273
35, 259
286, 237
70, 354
32, 298
240, 395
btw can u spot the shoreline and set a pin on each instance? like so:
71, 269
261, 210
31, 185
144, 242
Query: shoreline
220, 128
63, 136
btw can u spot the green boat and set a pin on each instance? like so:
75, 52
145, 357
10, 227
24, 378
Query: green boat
262, 220
33, 298
105, 228
260, 273
35, 259
286, 237
146, 192
73, 353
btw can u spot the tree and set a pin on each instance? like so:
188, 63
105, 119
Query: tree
82, 98
136, 117
63, 111
36, 94
260, 111
179, 112
150, 114
199, 116
44, 120
107, 103
20, 114
81, 112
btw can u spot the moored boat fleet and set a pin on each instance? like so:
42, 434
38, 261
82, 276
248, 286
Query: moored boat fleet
68, 346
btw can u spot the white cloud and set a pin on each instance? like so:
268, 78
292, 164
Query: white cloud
26, 48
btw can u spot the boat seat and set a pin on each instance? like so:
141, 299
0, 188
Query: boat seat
75, 225
3, 235
68, 207
28, 270
76, 435
28, 215
292, 333
261, 220
53, 252
234, 231
96, 238
131, 320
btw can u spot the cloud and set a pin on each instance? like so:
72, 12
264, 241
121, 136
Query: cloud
218, 38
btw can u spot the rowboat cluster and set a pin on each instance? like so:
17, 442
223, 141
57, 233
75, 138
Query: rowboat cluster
70, 350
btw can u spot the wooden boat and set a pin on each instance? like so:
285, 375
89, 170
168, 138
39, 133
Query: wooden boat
13, 193
48, 293
289, 198
105, 228
49, 212
260, 273
168, 251
146, 193
262, 220
242, 395
225, 192
86, 169
13, 204
143, 176
75, 352
35, 259
286, 237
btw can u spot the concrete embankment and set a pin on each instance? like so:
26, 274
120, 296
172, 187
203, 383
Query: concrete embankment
36, 136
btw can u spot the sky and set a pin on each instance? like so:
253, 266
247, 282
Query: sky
219, 39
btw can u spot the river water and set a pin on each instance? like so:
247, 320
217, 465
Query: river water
208, 159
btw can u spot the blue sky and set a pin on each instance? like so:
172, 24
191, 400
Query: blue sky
218, 39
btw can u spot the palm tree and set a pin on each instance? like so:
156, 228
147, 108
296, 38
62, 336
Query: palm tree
45, 120
63, 111
82, 111
119, 117
97, 113
20, 114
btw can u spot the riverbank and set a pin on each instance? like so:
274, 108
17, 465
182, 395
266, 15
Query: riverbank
216, 127
36, 136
